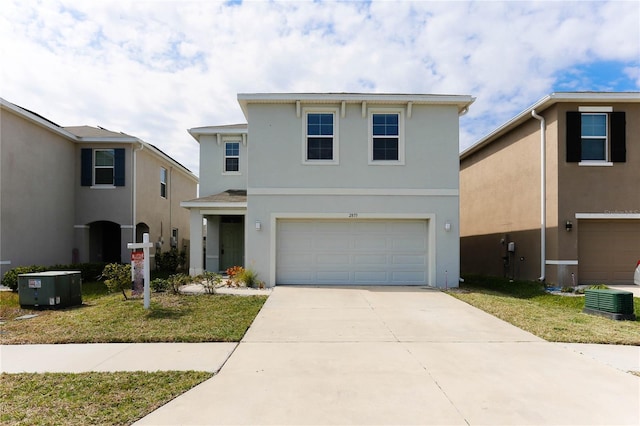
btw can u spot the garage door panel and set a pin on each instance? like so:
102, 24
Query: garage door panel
608, 251
351, 252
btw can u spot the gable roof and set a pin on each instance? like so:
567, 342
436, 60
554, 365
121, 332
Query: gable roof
88, 134
546, 102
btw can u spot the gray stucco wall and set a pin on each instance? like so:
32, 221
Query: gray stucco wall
36, 194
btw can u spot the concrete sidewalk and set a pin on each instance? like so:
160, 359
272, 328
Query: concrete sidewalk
400, 356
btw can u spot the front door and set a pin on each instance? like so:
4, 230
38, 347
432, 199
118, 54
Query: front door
231, 241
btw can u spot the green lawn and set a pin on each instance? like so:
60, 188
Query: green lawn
108, 318
554, 318
112, 398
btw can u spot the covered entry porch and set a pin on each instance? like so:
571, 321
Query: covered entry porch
218, 223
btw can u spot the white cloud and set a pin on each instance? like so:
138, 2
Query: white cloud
155, 68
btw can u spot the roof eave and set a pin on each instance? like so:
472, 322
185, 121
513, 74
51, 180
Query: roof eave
546, 102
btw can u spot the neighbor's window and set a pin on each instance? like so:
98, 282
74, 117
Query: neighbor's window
103, 166
163, 182
594, 137
232, 156
387, 145
320, 137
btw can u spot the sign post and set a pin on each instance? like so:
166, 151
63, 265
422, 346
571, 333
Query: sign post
145, 245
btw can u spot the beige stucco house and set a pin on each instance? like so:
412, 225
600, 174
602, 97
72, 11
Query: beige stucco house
554, 193
80, 194
333, 188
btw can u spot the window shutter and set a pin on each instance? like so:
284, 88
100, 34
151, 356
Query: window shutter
86, 164
618, 136
574, 135
119, 167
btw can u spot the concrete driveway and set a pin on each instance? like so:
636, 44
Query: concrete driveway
399, 356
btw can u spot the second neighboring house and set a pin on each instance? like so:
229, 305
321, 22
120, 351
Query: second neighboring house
80, 194
332, 188
554, 194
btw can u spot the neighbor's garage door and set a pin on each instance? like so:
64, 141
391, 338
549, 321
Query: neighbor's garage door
351, 252
608, 251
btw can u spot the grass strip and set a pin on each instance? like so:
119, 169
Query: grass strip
89, 398
552, 317
108, 318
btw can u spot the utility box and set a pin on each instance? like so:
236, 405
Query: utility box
614, 304
51, 289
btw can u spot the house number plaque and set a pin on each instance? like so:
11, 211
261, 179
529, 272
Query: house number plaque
353, 214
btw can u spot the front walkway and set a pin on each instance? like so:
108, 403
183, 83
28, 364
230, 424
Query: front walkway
399, 356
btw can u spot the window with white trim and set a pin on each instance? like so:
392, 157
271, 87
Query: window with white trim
386, 141
163, 182
103, 166
232, 157
593, 137
320, 136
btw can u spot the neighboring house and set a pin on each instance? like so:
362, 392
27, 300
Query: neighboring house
80, 194
591, 221
334, 188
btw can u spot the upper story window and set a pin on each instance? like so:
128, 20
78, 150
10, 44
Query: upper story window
163, 182
386, 143
596, 136
102, 167
232, 157
321, 137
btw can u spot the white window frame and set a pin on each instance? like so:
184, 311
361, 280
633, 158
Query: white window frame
225, 141
164, 177
401, 156
597, 110
305, 136
96, 167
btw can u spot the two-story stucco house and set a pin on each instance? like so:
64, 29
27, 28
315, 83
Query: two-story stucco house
80, 194
554, 193
333, 188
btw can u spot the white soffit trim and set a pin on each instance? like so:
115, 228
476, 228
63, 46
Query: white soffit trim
561, 262
631, 215
355, 191
212, 205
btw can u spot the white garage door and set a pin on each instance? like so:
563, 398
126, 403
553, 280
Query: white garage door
608, 251
352, 252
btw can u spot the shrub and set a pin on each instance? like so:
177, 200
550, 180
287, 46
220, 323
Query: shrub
249, 277
598, 287
170, 261
178, 280
90, 271
233, 273
117, 277
211, 280
159, 285
10, 278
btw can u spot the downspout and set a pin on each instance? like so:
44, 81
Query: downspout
134, 192
543, 195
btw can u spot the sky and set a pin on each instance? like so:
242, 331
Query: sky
154, 69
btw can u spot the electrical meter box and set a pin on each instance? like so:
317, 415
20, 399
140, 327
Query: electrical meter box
51, 289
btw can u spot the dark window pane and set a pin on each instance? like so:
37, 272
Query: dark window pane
385, 149
104, 176
385, 124
320, 124
594, 125
163, 190
320, 149
593, 149
231, 165
233, 149
105, 158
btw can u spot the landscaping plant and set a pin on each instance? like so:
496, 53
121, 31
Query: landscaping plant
117, 277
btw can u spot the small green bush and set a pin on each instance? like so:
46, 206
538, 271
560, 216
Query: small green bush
117, 277
170, 261
159, 285
10, 278
178, 280
210, 281
250, 278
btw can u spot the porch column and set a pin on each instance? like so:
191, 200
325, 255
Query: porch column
195, 249
213, 244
